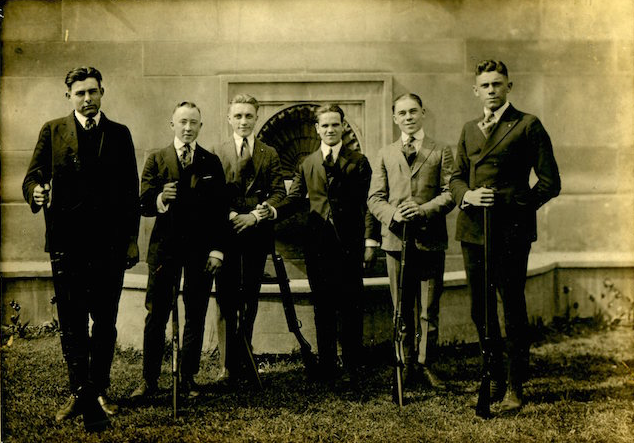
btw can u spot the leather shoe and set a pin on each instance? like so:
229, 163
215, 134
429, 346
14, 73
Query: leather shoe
144, 390
512, 402
428, 377
497, 389
107, 405
190, 388
70, 409
95, 418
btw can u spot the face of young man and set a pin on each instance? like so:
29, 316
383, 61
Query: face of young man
408, 115
330, 128
186, 124
85, 95
242, 118
491, 88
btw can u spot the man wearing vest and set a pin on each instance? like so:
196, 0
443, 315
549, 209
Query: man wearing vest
83, 174
336, 180
253, 173
495, 156
410, 186
183, 186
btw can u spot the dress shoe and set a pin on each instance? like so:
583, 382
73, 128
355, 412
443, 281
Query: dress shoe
144, 390
427, 376
512, 402
108, 406
190, 388
497, 389
95, 418
70, 409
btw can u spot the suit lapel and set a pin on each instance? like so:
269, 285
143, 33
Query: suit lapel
317, 169
171, 161
69, 133
423, 154
343, 158
508, 120
258, 159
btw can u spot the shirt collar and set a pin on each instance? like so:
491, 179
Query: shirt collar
325, 149
82, 118
178, 144
498, 112
418, 136
237, 139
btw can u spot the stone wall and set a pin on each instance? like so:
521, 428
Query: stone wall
572, 63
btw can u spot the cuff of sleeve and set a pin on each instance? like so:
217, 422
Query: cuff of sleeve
257, 217
217, 254
232, 215
274, 211
160, 206
371, 243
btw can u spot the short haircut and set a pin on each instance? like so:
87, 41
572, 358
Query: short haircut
326, 108
411, 95
187, 104
245, 98
81, 74
491, 66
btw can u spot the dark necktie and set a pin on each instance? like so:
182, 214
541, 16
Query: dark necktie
486, 125
90, 123
329, 161
409, 151
244, 150
186, 155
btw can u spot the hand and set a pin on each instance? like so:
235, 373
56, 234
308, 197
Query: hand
213, 265
242, 222
41, 194
479, 197
264, 211
369, 257
132, 256
169, 192
409, 209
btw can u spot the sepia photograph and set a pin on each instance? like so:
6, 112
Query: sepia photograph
317, 221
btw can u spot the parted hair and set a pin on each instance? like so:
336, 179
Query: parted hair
490, 66
326, 108
411, 95
82, 73
187, 104
245, 98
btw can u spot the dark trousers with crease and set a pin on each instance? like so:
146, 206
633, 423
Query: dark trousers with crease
336, 281
510, 259
158, 302
87, 286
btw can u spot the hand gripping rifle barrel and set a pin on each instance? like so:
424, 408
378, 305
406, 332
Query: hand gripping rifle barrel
483, 407
399, 328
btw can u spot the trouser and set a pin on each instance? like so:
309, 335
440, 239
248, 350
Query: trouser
424, 271
336, 282
237, 298
158, 302
87, 287
510, 261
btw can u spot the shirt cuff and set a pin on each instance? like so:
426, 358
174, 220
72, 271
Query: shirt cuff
257, 217
160, 206
274, 211
217, 254
232, 215
371, 243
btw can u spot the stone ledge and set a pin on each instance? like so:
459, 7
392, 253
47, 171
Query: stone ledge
538, 263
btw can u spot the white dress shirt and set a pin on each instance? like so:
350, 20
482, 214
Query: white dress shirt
418, 138
82, 118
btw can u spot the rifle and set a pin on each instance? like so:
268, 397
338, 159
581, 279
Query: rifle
483, 407
175, 344
294, 324
399, 329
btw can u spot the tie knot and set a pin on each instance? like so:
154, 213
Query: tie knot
244, 148
186, 155
90, 123
411, 139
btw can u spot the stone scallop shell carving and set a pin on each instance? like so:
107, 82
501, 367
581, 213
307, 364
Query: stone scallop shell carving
292, 133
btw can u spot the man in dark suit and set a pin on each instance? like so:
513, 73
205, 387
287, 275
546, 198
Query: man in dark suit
253, 173
183, 186
337, 181
410, 186
83, 173
495, 156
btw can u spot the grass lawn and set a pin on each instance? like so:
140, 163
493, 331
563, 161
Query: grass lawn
581, 390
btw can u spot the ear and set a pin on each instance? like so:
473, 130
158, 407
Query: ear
475, 91
67, 95
102, 90
317, 128
394, 119
509, 87
171, 124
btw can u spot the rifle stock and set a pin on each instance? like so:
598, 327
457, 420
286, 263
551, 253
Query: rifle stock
483, 407
399, 329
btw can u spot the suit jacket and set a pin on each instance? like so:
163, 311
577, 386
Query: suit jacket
504, 161
94, 208
343, 200
267, 184
427, 182
196, 222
